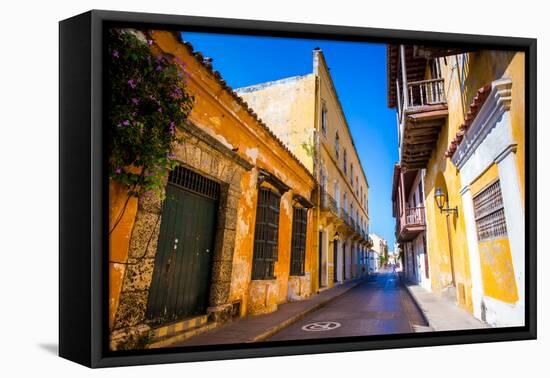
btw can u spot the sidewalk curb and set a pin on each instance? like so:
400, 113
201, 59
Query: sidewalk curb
279, 327
416, 302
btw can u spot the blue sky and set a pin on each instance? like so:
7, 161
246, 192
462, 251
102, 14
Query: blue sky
359, 74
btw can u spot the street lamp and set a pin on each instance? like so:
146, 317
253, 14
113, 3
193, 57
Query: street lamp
441, 200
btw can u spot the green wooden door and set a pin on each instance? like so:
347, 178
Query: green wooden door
181, 276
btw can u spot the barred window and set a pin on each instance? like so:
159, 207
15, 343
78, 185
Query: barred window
346, 162
489, 213
324, 120
299, 232
266, 234
337, 146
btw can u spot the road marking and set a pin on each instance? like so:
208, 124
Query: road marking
321, 326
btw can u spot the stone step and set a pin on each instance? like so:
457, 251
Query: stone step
178, 326
177, 337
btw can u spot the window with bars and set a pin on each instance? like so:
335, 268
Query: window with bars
299, 232
194, 182
337, 146
266, 235
324, 120
489, 213
346, 162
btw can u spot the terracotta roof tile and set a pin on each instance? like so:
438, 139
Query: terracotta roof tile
475, 107
200, 59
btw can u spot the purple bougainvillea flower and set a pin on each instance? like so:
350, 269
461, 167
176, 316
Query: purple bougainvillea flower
171, 155
125, 122
159, 109
172, 128
115, 54
159, 68
134, 114
149, 42
132, 83
118, 170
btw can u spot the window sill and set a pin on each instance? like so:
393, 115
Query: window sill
265, 279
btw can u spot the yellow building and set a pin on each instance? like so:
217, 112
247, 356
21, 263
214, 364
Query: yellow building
461, 136
235, 235
306, 114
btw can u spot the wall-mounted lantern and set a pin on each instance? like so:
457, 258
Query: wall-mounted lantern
442, 201
336, 236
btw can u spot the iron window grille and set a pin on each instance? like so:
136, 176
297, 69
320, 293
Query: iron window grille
194, 182
489, 213
299, 232
266, 235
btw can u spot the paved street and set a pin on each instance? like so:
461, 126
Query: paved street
378, 306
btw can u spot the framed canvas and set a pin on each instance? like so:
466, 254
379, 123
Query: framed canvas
234, 188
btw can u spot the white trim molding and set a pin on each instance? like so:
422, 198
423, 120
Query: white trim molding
495, 107
489, 140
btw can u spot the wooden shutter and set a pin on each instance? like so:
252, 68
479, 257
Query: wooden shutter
266, 235
299, 232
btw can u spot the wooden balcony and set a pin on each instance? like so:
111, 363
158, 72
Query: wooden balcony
411, 223
422, 112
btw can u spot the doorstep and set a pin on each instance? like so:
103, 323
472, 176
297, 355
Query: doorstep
440, 313
256, 328
179, 331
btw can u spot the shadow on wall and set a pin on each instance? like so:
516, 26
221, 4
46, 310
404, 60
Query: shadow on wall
494, 63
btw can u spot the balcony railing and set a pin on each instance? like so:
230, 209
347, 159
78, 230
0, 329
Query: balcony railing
344, 215
414, 215
328, 202
420, 93
421, 112
410, 224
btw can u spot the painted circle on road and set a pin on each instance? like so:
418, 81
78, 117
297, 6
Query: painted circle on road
321, 326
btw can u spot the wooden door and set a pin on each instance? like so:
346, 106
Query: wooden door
181, 276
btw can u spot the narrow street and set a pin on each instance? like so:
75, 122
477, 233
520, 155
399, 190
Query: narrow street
379, 306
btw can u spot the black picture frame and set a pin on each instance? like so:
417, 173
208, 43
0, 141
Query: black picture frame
83, 190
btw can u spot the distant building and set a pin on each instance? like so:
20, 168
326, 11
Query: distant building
306, 114
378, 252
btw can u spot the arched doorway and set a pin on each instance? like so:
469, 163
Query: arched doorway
445, 229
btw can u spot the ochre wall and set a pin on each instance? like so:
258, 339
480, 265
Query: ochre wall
218, 113
122, 214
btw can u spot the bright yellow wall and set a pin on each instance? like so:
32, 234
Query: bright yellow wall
464, 75
497, 269
334, 166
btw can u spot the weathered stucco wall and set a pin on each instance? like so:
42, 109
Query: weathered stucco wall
464, 75
225, 141
287, 106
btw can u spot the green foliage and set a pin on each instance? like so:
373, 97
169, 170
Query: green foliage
308, 148
148, 101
